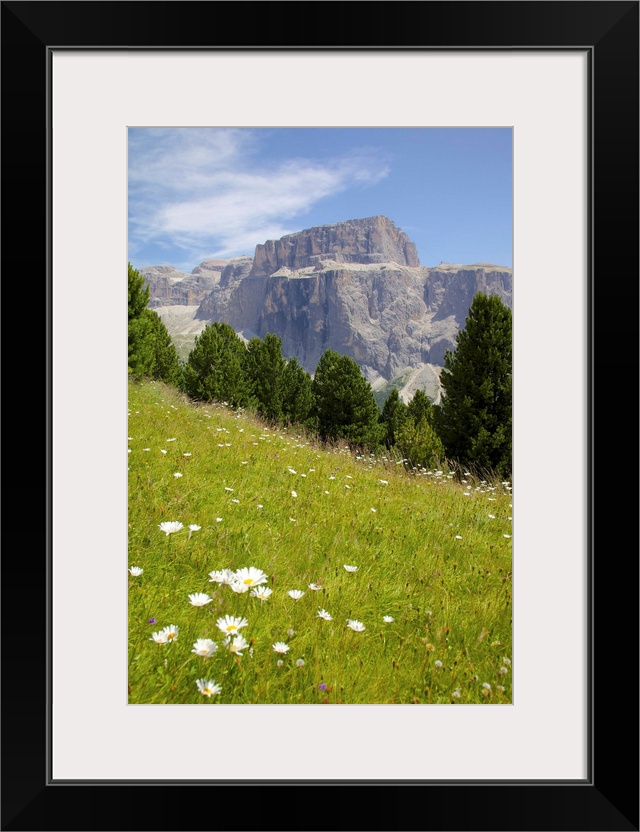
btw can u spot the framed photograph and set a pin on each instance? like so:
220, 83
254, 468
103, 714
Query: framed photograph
562, 79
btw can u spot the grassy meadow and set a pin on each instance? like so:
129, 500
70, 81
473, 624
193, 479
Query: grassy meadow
432, 551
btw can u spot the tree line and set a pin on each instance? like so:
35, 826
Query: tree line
471, 425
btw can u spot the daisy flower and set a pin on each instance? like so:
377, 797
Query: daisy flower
177, 474
135, 571
324, 614
222, 576
194, 528
200, 599
208, 687
296, 594
388, 619
356, 626
171, 632
294, 493
239, 643
261, 592
204, 647
170, 527
231, 625
250, 576
315, 587
350, 568
299, 662
281, 647
160, 637
236, 586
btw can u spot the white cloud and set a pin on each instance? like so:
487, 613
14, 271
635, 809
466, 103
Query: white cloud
211, 190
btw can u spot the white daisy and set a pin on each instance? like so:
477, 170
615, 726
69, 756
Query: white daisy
296, 594
200, 599
294, 493
204, 647
324, 614
315, 587
388, 619
171, 632
236, 645
208, 687
281, 647
194, 528
261, 592
222, 576
177, 474
299, 662
135, 571
236, 586
160, 637
350, 568
250, 576
230, 624
170, 527
356, 626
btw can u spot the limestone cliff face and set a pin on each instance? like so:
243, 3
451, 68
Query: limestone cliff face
169, 287
372, 240
354, 287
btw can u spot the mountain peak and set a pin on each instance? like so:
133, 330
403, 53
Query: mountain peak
370, 240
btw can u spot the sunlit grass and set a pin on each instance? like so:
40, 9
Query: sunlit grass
432, 553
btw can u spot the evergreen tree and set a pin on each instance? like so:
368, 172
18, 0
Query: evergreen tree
393, 416
418, 442
474, 418
166, 365
264, 367
215, 368
345, 404
151, 350
420, 407
141, 357
298, 401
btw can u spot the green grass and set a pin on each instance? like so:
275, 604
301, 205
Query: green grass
450, 597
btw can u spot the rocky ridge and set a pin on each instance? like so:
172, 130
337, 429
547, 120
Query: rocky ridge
356, 287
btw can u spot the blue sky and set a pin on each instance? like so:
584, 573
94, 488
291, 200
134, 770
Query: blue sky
196, 193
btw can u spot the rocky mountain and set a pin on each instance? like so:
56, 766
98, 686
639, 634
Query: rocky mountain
355, 287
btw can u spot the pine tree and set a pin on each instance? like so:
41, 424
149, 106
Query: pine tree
166, 365
393, 416
474, 418
345, 405
215, 368
264, 365
298, 401
141, 356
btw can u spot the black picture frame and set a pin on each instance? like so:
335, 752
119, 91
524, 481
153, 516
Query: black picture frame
608, 798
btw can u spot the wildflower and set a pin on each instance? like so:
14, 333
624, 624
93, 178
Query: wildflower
456, 693
237, 645
291, 471
226, 488
230, 624
388, 619
236, 586
291, 632
259, 505
135, 571
280, 663
299, 662
160, 637
374, 510
171, 440
186, 454
502, 671
222, 576
281, 647
235, 501
218, 519
296, 594
200, 599
315, 587
250, 576
262, 592
350, 568
294, 493
146, 449
322, 686
458, 537
438, 663
324, 614
356, 626
486, 685
177, 475
171, 632
204, 647
208, 687
506, 535
491, 516
163, 452
506, 660
170, 527
384, 482
194, 528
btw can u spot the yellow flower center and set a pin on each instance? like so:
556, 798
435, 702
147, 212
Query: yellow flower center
248, 581
231, 628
